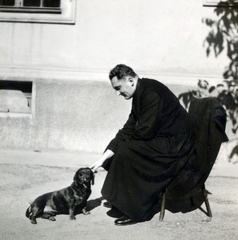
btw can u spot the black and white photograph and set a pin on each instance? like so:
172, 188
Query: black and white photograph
118, 119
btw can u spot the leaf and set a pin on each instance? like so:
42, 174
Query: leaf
229, 102
225, 32
209, 22
226, 74
234, 150
233, 130
230, 46
218, 10
234, 121
208, 51
203, 84
218, 46
211, 89
226, 23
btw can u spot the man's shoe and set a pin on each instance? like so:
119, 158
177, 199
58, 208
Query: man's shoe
107, 205
115, 213
124, 220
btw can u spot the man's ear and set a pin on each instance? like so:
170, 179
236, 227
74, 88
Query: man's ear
131, 81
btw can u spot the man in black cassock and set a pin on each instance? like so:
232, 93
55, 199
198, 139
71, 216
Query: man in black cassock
150, 149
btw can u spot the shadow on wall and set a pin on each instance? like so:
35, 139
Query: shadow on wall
222, 37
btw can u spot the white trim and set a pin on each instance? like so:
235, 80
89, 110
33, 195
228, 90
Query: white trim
16, 115
66, 17
52, 74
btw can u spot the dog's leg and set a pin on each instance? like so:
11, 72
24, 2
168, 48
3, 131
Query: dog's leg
35, 212
71, 211
37, 209
49, 215
85, 212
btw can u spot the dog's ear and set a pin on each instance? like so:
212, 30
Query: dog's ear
92, 177
75, 178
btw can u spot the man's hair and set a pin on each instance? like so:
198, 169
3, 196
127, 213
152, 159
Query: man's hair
121, 71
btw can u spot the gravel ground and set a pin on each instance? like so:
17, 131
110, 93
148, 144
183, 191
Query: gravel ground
21, 182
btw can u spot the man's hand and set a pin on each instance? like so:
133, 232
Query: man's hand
96, 165
107, 154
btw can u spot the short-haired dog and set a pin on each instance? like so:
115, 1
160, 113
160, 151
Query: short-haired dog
66, 200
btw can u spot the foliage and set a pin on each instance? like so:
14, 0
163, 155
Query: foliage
223, 36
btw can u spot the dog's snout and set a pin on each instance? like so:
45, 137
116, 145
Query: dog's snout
85, 175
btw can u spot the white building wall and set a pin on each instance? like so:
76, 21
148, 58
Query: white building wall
159, 39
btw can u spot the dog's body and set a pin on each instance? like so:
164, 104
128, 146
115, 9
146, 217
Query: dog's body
65, 200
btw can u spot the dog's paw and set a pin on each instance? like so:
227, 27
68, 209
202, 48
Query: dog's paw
86, 212
33, 221
52, 218
72, 218
207, 219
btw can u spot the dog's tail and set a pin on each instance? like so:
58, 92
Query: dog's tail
28, 212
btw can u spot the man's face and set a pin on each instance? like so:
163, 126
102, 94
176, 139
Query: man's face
125, 86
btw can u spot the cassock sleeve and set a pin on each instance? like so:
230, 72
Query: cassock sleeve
148, 120
125, 133
142, 126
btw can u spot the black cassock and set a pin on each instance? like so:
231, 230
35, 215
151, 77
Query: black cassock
150, 149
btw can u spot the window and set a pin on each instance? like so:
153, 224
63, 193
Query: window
220, 2
16, 97
48, 11
30, 6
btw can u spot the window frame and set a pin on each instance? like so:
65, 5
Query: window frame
225, 3
63, 15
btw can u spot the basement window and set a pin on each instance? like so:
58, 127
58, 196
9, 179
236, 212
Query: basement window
15, 97
44, 11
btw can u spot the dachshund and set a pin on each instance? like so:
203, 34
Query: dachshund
64, 201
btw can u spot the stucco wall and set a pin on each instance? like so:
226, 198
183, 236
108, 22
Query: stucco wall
152, 36
68, 116
72, 116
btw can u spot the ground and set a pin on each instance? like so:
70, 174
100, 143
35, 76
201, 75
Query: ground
26, 175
